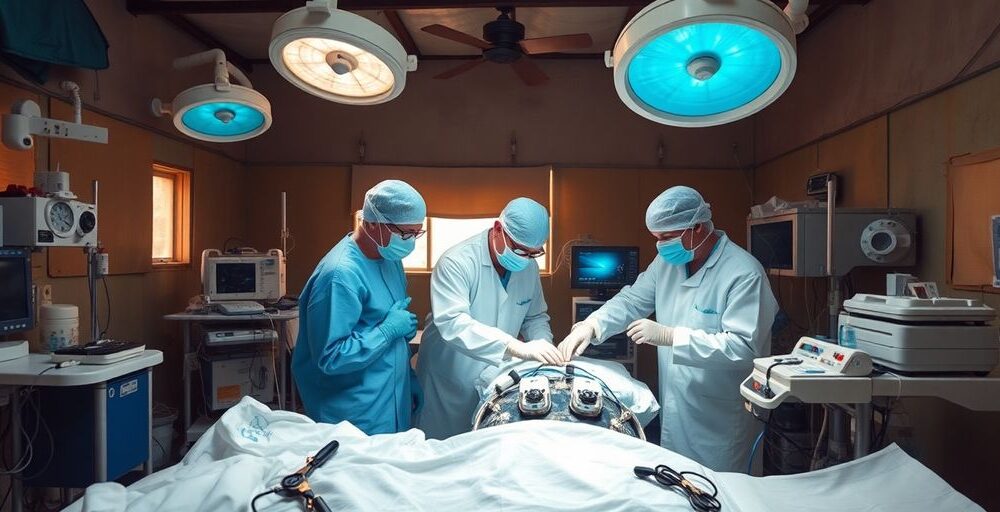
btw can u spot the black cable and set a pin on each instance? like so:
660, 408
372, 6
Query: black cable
678, 481
6, 496
107, 297
253, 502
52, 442
767, 379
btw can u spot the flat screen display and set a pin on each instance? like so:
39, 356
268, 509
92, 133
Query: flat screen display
604, 267
773, 244
15, 289
235, 277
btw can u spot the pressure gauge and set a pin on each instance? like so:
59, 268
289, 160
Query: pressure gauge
88, 221
60, 218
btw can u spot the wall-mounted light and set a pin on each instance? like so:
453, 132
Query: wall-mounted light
220, 111
702, 63
338, 55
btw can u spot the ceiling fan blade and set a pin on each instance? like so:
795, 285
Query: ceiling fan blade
454, 35
529, 72
556, 43
458, 70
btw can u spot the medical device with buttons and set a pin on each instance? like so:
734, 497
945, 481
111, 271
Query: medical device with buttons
786, 242
48, 222
934, 335
254, 276
807, 373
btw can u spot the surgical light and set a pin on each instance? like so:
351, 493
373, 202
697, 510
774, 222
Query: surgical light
220, 111
338, 55
698, 63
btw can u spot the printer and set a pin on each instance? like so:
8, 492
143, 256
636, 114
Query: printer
910, 334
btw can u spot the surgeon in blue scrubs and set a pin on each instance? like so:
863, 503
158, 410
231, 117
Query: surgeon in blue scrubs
351, 359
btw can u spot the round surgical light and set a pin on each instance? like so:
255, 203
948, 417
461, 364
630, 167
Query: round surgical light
205, 113
338, 55
695, 63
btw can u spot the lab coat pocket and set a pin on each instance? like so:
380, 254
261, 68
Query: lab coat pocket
704, 319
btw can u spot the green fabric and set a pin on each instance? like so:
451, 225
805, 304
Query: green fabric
36, 33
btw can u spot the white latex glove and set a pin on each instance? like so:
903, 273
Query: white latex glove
539, 350
648, 331
577, 341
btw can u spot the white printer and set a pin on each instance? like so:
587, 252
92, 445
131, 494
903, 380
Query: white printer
909, 334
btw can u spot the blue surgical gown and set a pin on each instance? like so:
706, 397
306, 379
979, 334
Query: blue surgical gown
345, 368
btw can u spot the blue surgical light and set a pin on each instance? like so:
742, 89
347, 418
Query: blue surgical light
704, 69
694, 63
223, 119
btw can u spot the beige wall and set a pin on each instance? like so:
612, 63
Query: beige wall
867, 58
575, 119
899, 161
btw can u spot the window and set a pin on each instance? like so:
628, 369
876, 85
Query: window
443, 234
171, 216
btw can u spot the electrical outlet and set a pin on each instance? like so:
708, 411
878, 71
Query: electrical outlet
46, 294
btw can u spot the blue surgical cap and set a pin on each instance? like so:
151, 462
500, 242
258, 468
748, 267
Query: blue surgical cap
676, 209
526, 221
394, 202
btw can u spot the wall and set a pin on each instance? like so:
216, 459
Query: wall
865, 59
899, 160
575, 119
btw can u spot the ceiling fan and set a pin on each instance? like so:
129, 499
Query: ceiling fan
505, 44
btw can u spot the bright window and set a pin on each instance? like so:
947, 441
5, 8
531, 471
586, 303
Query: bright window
443, 234
171, 216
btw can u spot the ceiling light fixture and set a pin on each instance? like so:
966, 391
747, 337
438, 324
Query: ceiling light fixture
338, 55
695, 63
220, 111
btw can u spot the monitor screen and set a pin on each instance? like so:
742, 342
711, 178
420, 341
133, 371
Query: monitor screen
235, 277
15, 290
604, 267
772, 244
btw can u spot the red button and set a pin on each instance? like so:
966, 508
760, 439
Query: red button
838, 356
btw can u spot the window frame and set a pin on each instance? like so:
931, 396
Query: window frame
182, 216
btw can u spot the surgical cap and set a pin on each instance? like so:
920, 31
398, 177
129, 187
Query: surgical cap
394, 202
526, 221
676, 209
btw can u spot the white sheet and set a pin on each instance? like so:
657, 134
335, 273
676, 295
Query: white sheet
530, 465
632, 393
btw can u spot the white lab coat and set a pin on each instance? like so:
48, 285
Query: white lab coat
722, 317
472, 319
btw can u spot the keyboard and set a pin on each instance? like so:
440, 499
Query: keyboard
99, 352
239, 307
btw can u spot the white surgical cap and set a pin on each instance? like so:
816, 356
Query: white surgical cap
526, 221
394, 202
676, 209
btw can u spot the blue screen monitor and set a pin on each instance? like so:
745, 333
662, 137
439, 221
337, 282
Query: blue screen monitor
17, 311
605, 267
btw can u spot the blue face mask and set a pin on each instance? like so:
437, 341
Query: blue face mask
397, 248
511, 261
673, 251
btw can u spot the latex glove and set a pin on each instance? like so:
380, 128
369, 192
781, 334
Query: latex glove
539, 350
416, 393
577, 341
648, 331
399, 323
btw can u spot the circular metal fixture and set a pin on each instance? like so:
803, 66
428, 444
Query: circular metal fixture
694, 63
886, 241
338, 55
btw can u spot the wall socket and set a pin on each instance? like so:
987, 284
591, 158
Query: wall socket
46, 296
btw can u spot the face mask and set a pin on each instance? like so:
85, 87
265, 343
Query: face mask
673, 251
397, 248
509, 260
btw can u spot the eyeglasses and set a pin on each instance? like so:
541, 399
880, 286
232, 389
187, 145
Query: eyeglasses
520, 251
406, 235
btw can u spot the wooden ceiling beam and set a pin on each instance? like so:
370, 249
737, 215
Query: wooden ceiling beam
405, 38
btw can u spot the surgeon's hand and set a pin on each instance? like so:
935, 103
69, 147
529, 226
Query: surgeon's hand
399, 323
577, 341
648, 331
539, 350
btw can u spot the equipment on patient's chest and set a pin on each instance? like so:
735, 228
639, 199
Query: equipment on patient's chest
702, 497
296, 485
910, 334
554, 393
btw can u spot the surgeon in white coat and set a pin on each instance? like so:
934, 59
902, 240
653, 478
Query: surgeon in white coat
485, 292
714, 310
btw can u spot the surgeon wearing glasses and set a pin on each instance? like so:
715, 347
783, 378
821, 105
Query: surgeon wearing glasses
713, 310
351, 359
485, 293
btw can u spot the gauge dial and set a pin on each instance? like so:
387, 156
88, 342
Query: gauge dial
88, 221
60, 217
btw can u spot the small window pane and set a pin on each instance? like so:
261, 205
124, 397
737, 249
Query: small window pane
163, 218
